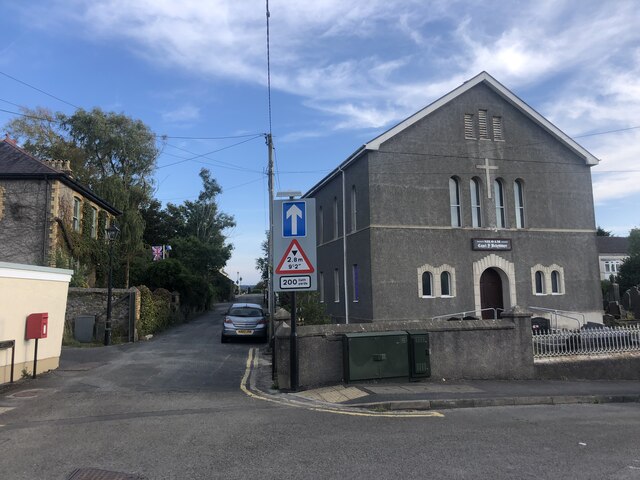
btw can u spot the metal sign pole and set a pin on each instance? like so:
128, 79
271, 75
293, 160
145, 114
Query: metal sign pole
293, 344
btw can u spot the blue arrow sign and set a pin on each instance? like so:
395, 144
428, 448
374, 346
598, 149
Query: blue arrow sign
294, 219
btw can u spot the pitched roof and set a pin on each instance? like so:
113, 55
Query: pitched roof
619, 245
16, 163
492, 83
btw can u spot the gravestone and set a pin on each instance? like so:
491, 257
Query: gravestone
634, 301
625, 300
615, 309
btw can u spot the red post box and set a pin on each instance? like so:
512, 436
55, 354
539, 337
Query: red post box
37, 326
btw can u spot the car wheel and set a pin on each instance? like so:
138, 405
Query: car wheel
223, 339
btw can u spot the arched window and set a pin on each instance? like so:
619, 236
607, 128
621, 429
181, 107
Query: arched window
476, 210
445, 284
498, 190
427, 284
518, 190
539, 283
454, 200
555, 282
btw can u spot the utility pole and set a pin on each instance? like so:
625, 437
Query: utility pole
271, 298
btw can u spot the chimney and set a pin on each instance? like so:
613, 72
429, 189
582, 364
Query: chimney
10, 140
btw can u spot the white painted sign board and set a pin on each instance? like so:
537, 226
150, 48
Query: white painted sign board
294, 245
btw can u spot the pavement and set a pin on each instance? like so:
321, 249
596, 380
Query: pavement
432, 394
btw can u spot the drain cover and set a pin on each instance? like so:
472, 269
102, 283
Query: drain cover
96, 474
25, 394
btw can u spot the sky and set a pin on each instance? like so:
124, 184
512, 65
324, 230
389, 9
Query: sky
341, 74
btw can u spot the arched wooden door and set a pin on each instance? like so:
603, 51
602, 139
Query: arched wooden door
491, 292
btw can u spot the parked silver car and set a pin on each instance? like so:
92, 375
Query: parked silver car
244, 320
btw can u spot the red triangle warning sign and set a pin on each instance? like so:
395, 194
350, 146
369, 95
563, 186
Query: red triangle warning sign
294, 261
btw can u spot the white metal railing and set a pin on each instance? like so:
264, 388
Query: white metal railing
470, 313
560, 313
586, 341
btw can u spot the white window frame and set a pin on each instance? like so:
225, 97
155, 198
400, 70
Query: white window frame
476, 202
94, 222
547, 272
454, 202
501, 211
421, 286
77, 209
518, 193
436, 286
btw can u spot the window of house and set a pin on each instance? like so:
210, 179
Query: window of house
501, 218
555, 282
445, 284
321, 286
454, 200
336, 286
320, 225
476, 211
354, 210
356, 288
76, 214
483, 131
612, 266
335, 217
427, 284
497, 128
94, 222
468, 126
518, 190
539, 283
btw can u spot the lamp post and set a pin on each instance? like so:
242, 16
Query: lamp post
112, 233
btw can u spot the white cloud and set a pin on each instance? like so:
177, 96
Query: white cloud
184, 113
369, 63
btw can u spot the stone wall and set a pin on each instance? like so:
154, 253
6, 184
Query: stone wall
465, 349
125, 308
621, 366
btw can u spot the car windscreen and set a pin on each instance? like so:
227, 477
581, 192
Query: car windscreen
245, 312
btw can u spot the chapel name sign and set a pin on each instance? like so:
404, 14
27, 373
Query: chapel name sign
491, 244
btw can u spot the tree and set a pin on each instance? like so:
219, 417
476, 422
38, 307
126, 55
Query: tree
113, 154
601, 232
629, 272
262, 263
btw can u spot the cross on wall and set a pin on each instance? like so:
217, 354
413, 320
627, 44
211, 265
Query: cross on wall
486, 167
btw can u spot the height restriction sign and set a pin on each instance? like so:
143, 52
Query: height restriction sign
294, 245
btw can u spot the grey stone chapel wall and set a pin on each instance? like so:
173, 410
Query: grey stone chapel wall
481, 349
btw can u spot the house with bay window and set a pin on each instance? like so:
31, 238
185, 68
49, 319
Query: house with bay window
472, 205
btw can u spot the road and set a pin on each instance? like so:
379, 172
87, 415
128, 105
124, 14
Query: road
172, 408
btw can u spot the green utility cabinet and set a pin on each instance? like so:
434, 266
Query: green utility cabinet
375, 355
419, 359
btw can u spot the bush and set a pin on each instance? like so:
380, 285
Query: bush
155, 311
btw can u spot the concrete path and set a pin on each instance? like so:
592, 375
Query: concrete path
434, 394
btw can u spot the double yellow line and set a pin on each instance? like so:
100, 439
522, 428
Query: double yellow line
252, 391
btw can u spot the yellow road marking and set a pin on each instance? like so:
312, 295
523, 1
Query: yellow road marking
251, 363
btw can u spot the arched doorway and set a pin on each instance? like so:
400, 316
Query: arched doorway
491, 295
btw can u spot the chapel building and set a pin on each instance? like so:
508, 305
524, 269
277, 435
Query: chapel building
469, 207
